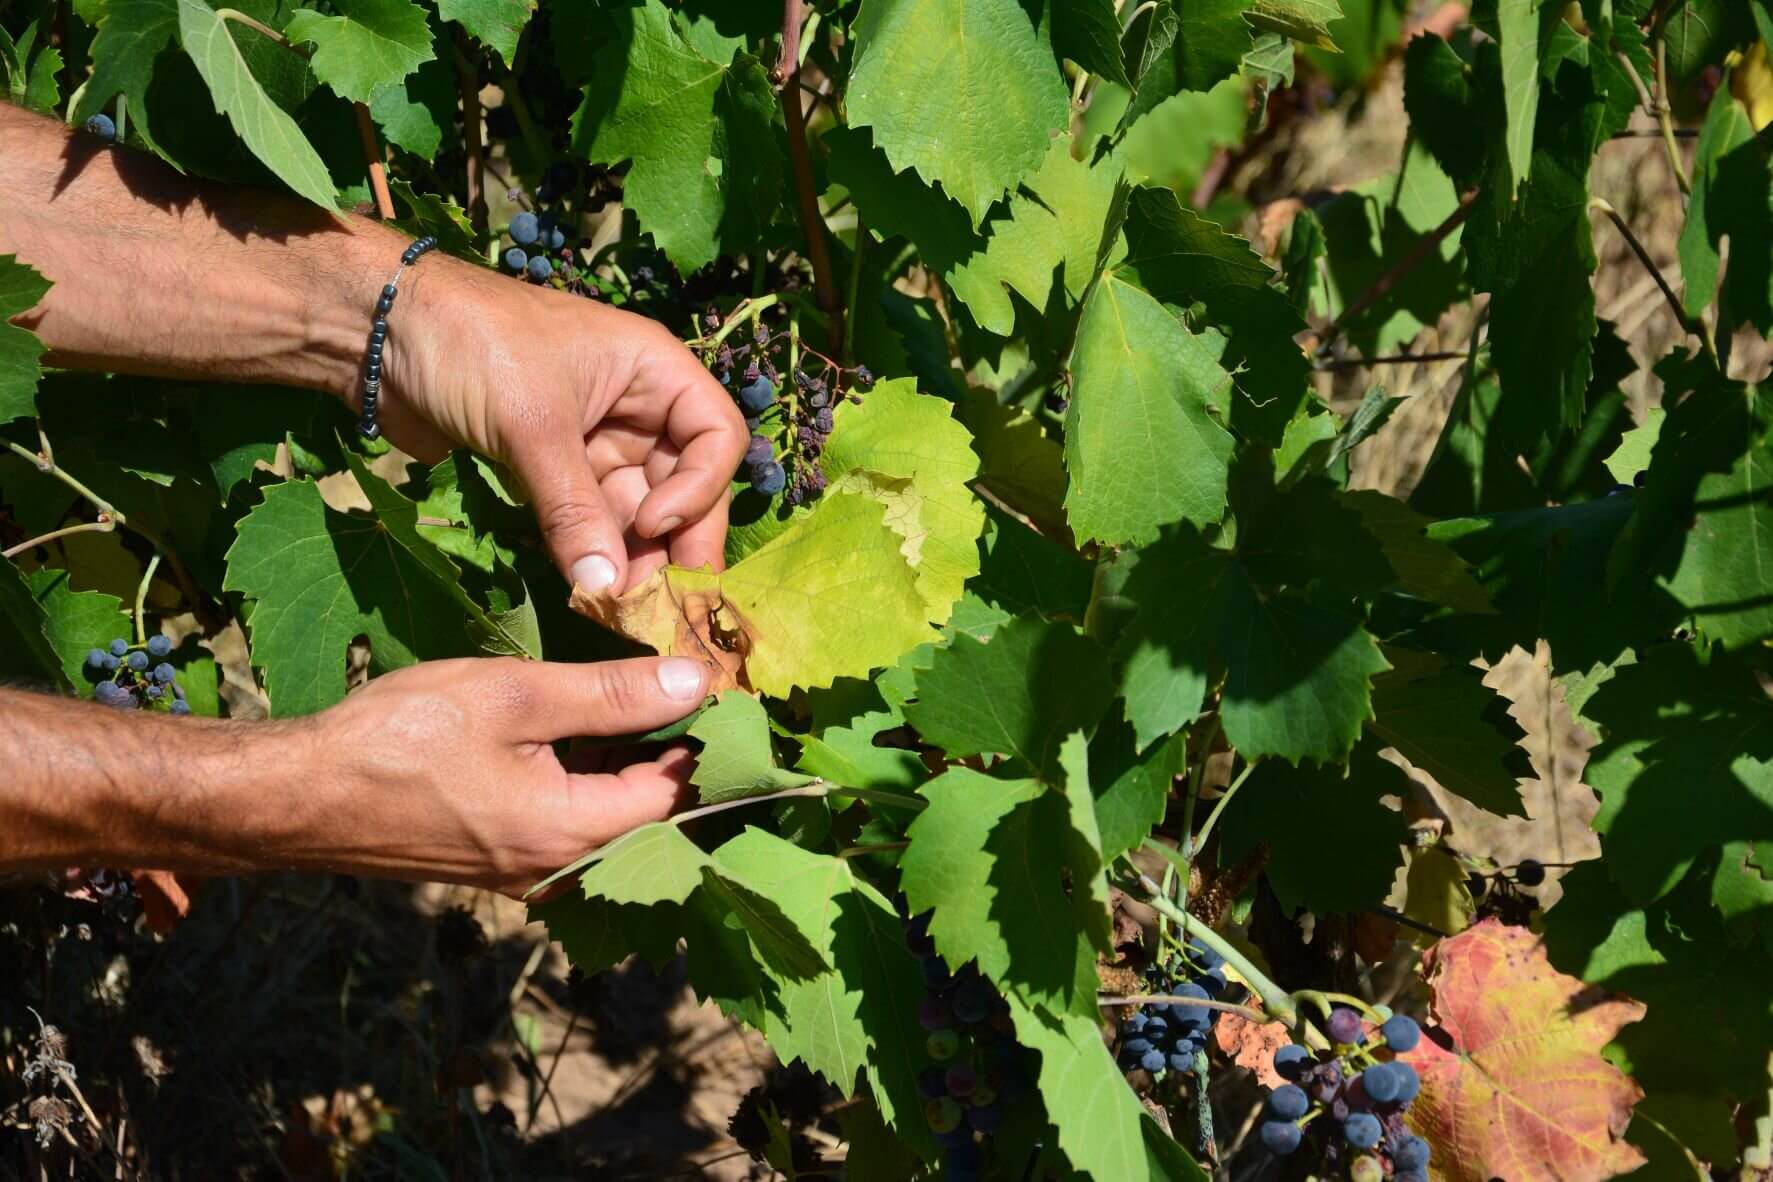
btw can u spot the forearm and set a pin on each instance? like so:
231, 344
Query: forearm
161, 274
82, 784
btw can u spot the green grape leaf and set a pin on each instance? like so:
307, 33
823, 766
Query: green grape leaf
1085, 861
1668, 723
26, 652
848, 755
1518, 24
1632, 456
1023, 571
1132, 789
696, 116
862, 1019
975, 122
266, 128
496, 24
21, 287
988, 856
1702, 523
1056, 226
319, 578
597, 934
656, 863
1019, 463
1730, 183
131, 34
1183, 259
370, 44
1101, 1124
1419, 565
1332, 846
901, 434
737, 759
1020, 693
1446, 722
76, 621
427, 213
898, 204
1088, 33
1535, 254
417, 111
1709, 1018
1443, 105
787, 615
1142, 449
1168, 658
1298, 675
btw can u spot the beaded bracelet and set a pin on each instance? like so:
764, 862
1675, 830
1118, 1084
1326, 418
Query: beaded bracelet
378, 336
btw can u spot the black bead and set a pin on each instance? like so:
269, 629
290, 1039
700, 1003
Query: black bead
369, 429
384, 306
388, 292
375, 348
376, 338
373, 373
379, 325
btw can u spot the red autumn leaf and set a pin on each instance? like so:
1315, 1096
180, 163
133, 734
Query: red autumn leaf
1513, 1084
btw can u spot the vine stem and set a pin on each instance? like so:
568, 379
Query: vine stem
1206, 830
372, 156
49, 467
141, 599
854, 291
748, 309
818, 788
1205, 1003
1693, 325
1388, 359
1189, 845
812, 222
1277, 1001
259, 27
468, 86
103, 525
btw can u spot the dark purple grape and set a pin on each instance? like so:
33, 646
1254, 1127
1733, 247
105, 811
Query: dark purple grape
1344, 1025
119, 647
942, 1045
757, 393
769, 478
1290, 1061
1401, 1032
1380, 1084
962, 1080
961, 1163
1409, 1083
1409, 1152
932, 1082
138, 661
1361, 1130
516, 259
159, 647
102, 126
943, 1115
164, 673
986, 1119
935, 972
539, 269
1279, 1137
1530, 872
972, 1001
823, 421
759, 451
95, 659
524, 229
933, 1014
1182, 1059
1288, 1102
1152, 1060
863, 377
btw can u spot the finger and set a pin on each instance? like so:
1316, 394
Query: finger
703, 542
606, 806
583, 535
632, 697
712, 435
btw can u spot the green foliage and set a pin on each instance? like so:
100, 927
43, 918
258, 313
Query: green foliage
1088, 538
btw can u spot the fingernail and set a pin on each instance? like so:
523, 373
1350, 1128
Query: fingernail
594, 572
680, 678
667, 525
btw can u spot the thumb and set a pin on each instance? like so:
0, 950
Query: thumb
581, 533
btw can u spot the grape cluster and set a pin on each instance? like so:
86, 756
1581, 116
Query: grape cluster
536, 236
790, 425
1166, 1036
978, 1067
1346, 1106
131, 677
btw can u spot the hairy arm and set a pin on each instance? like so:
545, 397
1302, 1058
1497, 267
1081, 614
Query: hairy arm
445, 771
624, 440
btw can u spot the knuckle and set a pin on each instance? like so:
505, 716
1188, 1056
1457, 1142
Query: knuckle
504, 689
619, 687
568, 512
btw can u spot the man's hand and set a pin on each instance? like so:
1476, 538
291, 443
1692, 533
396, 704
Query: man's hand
441, 772
625, 441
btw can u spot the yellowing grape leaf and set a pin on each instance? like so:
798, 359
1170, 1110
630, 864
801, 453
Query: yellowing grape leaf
1521, 1092
1252, 1044
831, 596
